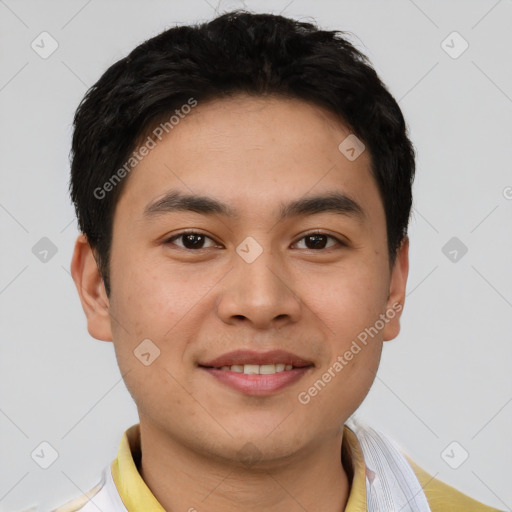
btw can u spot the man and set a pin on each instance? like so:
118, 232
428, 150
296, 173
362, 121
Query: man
243, 189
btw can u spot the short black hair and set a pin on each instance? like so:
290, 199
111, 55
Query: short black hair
237, 52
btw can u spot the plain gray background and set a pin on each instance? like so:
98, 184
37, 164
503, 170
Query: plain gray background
445, 378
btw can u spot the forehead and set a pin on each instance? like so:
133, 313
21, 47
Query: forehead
252, 153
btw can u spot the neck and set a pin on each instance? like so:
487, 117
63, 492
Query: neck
182, 479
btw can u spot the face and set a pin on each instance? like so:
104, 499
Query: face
267, 269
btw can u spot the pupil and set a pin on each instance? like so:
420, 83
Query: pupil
317, 242
189, 240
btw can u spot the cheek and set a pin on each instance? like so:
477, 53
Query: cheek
156, 389
348, 299
157, 303
150, 298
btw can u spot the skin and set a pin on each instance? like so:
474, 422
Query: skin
253, 154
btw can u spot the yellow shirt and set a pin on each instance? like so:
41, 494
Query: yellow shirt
137, 497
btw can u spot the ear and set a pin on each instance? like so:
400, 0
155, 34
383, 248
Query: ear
396, 297
91, 289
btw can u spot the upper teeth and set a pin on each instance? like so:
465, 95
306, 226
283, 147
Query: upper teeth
257, 369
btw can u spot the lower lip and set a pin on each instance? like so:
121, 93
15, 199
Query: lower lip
258, 384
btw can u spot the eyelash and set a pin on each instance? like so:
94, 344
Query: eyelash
169, 241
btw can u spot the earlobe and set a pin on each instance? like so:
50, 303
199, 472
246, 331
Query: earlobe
397, 286
91, 289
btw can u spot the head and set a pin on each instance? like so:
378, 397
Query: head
235, 132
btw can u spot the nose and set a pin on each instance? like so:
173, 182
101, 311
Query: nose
259, 292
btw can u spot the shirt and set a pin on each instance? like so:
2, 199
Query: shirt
122, 489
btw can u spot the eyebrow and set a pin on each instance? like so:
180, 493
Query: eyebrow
335, 202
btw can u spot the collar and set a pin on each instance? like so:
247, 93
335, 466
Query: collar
136, 495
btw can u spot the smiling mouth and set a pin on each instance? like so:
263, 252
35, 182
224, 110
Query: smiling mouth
257, 373
255, 369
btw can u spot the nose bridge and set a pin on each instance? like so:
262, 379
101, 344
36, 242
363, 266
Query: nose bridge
261, 274
258, 268
257, 287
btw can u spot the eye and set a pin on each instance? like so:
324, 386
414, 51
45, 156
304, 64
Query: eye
318, 240
190, 240
194, 240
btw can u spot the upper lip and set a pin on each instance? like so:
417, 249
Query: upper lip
251, 357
